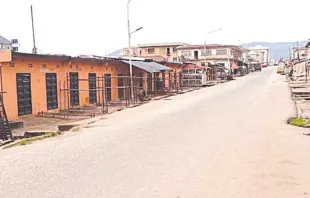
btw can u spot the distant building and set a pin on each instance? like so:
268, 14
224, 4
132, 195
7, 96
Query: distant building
5, 44
165, 51
299, 53
263, 53
254, 57
215, 54
308, 49
136, 52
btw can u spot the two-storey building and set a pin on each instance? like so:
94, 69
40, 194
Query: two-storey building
299, 53
212, 54
263, 53
161, 51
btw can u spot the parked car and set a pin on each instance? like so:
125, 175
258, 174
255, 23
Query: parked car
258, 67
280, 69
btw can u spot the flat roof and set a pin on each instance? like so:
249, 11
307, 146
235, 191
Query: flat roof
209, 46
161, 44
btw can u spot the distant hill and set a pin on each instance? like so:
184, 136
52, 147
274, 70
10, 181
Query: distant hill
277, 50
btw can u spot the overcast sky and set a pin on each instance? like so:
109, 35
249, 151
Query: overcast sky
99, 26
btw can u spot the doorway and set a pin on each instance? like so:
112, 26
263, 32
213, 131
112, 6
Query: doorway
74, 88
92, 88
23, 83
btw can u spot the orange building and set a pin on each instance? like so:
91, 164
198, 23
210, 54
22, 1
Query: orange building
32, 83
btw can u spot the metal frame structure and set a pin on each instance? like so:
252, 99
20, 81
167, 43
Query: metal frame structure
161, 85
5, 130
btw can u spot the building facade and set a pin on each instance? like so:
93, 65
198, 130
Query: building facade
5, 44
35, 83
164, 51
214, 54
262, 52
136, 52
299, 53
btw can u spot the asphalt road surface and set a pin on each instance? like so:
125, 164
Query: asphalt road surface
229, 140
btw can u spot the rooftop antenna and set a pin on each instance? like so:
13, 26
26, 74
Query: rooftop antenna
34, 49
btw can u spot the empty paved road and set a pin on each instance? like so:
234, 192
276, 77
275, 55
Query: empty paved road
230, 140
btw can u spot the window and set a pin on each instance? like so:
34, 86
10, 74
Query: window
175, 59
150, 50
196, 54
168, 51
175, 49
186, 53
203, 53
221, 51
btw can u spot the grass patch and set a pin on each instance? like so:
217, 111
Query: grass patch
299, 121
34, 139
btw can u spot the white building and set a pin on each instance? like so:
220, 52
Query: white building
215, 54
262, 52
5, 43
299, 52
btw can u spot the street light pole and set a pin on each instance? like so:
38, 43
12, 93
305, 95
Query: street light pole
205, 48
130, 51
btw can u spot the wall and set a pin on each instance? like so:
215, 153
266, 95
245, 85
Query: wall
160, 51
60, 66
38, 84
5, 56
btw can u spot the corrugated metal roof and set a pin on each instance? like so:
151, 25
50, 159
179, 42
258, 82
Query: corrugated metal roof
151, 67
4, 41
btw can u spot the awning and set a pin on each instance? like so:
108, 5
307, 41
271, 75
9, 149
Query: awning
151, 67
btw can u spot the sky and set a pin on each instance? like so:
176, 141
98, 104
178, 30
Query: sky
100, 26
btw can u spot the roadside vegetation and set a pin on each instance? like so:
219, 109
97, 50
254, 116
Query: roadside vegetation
300, 122
42, 137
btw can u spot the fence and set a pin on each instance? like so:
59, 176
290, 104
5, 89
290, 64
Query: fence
95, 95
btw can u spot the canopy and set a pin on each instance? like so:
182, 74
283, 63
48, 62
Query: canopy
151, 67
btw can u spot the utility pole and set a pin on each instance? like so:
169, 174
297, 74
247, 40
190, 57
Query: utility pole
298, 51
205, 46
34, 49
